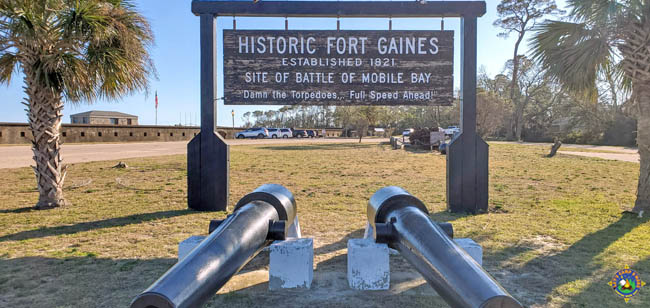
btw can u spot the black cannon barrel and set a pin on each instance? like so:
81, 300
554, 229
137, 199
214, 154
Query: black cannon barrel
401, 220
238, 239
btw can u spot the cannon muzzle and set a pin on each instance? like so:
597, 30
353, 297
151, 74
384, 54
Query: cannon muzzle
259, 218
402, 221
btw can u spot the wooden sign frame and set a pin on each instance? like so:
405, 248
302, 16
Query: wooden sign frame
467, 156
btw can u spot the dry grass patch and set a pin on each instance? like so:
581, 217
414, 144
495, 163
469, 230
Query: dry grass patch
554, 235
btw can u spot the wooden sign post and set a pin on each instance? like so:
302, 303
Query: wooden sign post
339, 68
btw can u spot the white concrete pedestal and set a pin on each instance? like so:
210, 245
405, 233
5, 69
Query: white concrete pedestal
368, 266
368, 262
291, 264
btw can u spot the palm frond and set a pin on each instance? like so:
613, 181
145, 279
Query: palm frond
79, 19
613, 12
595, 10
637, 10
572, 53
8, 62
618, 74
84, 49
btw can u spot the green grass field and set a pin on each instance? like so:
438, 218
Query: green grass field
554, 235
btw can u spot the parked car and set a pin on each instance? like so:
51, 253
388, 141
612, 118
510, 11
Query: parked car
285, 133
274, 133
311, 133
443, 148
407, 132
452, 130
299, 133
254, 132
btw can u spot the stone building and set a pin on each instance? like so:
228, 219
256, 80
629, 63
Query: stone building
20, 133
103, 118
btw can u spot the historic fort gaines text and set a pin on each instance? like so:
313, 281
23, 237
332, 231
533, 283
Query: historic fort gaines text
338, 67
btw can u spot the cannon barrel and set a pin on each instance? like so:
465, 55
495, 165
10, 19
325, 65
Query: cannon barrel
259, 218
402, 221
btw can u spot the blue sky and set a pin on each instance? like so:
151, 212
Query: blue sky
176, 56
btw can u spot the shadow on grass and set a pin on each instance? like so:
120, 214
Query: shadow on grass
420, 150
76, 281
543, 274
262, 259
446, 216
340, 244
329, 289
26, 209
358, 234
92, 225
311, 147
598, 292
506, 253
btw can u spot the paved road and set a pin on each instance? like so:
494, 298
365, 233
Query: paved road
21, 156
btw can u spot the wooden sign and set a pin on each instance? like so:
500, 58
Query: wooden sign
305, 67
436, 137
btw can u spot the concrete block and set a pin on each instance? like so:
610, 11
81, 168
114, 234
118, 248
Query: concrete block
472, 248
368, 265
187, 245
368, 262
291, 264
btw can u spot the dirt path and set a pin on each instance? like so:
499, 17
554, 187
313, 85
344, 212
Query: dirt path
634, 158
598, 151
607, 148
21, 156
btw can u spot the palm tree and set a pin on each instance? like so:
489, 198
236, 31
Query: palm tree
70, 51
604, 35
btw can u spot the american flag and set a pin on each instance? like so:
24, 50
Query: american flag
156, 99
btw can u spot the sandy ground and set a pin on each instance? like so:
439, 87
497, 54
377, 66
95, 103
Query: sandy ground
634, 158
623, 153
21, 156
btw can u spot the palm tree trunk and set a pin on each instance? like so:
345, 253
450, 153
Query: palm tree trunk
635, 62
45, 114
642, 92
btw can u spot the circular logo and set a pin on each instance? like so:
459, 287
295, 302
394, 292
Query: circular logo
626, 283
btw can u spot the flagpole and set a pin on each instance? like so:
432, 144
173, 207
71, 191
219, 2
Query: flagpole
156, 108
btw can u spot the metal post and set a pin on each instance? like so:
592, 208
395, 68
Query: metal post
207, 153
467, 155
